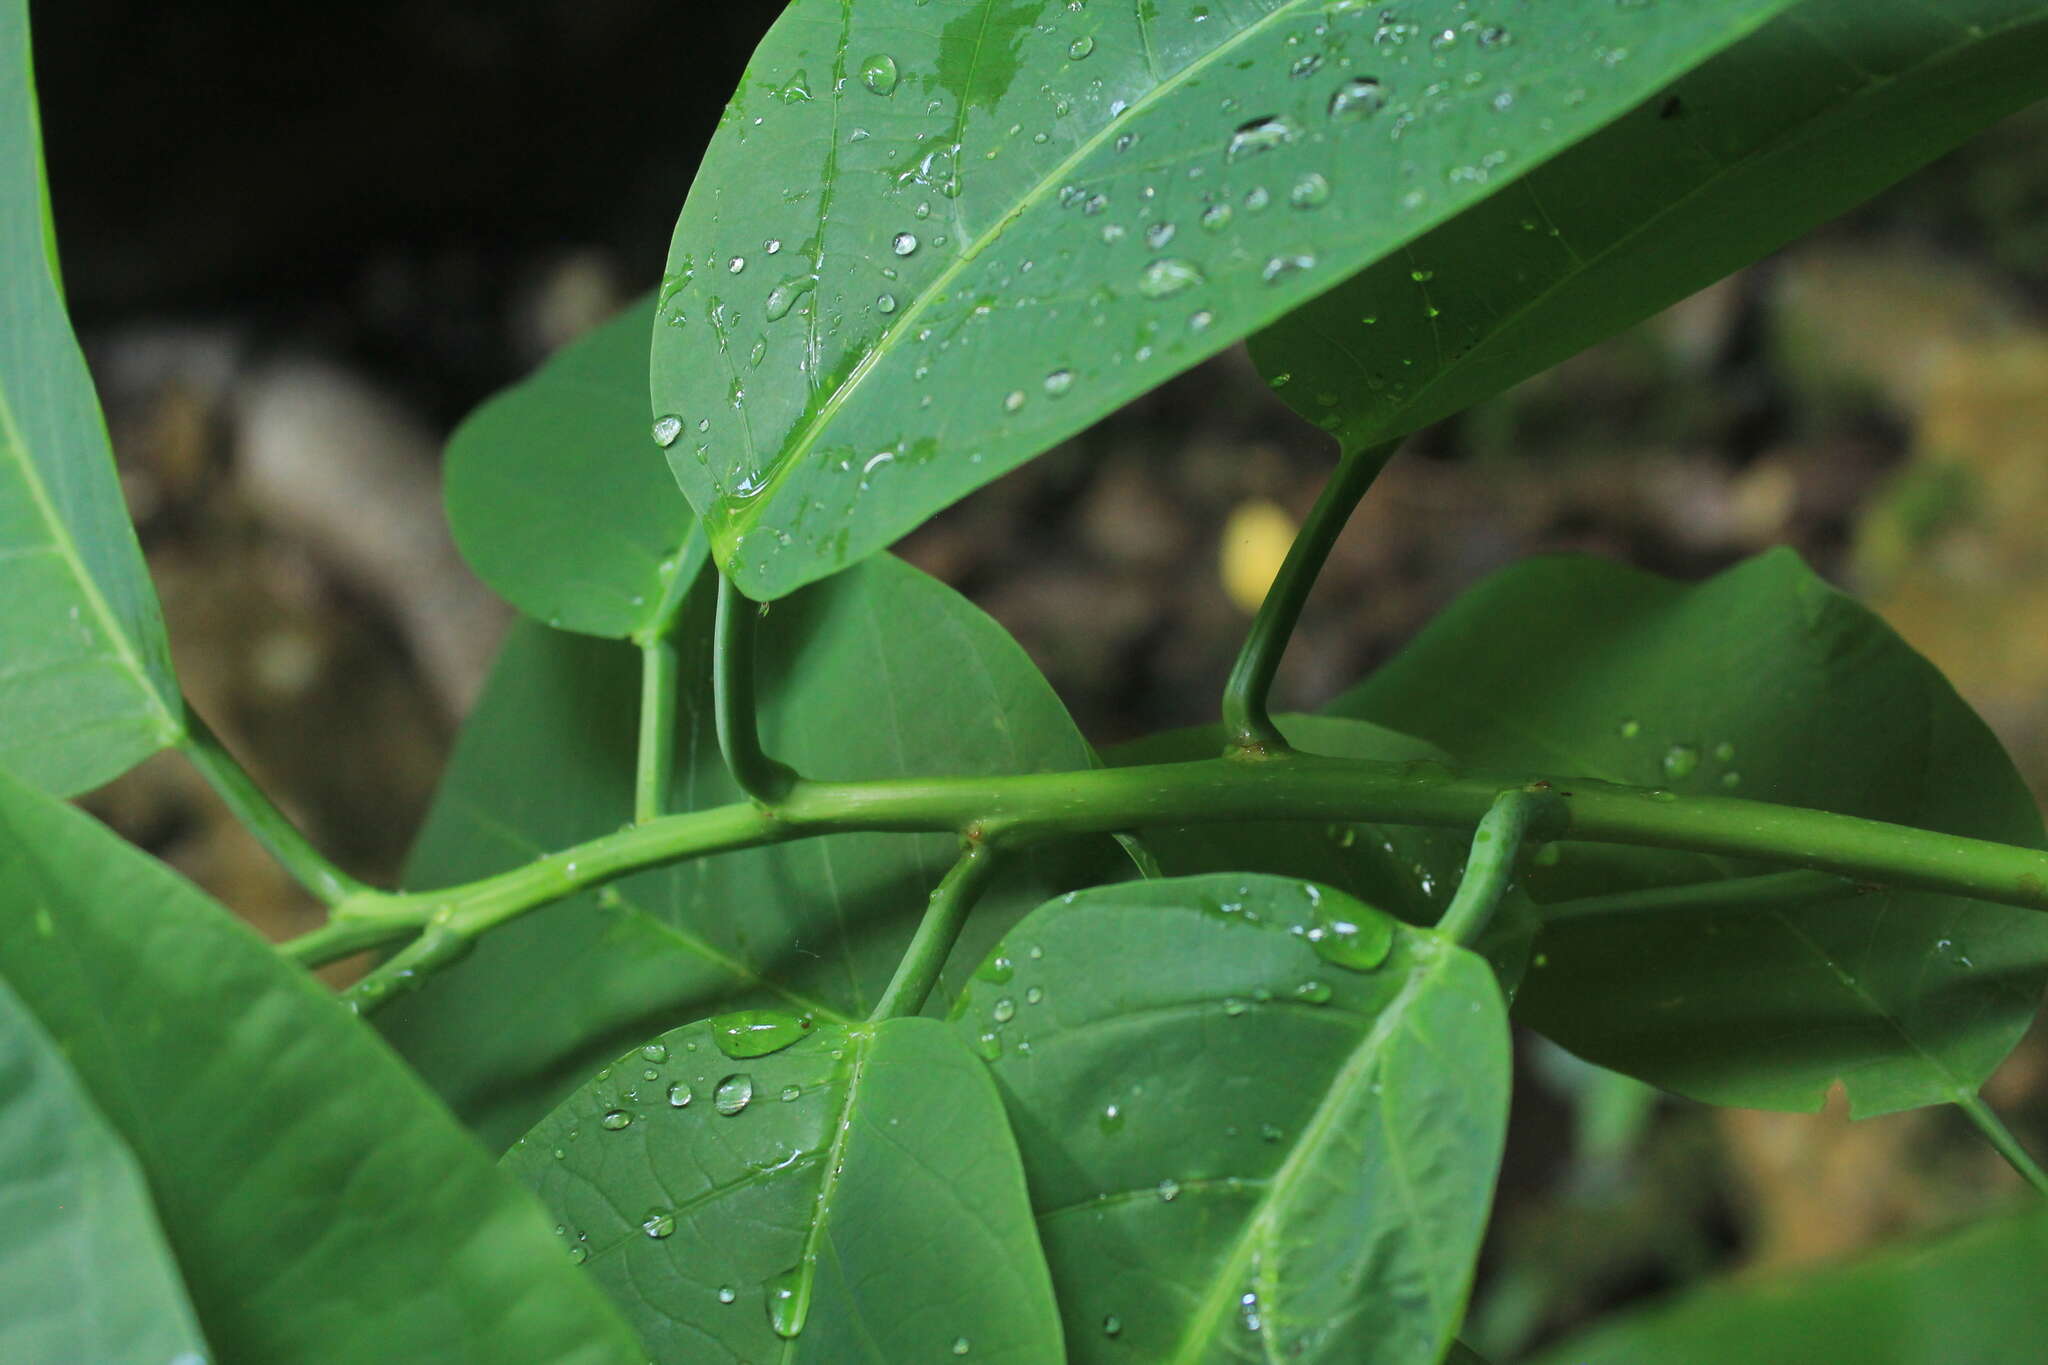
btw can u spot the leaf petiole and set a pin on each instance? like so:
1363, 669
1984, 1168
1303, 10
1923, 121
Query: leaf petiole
929, 948
1491, 864
732, 690
1998, 1135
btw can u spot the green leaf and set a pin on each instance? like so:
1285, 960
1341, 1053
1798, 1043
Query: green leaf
930, 240
559, 503
324, 1209
1969, 1299
880, 672
1765, 683
86, 690
855, 1196
72, 1197
1237, 1148
1407, 870
1825, 106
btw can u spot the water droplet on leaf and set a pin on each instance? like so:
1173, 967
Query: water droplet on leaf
734, 1093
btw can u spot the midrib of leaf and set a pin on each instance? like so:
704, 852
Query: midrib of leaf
1870, 88
1223, 1286
861, 1042
788, 458
60, 541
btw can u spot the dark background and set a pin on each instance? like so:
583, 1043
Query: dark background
301, 242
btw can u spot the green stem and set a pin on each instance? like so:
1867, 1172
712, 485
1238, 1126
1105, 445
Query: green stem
1245, 720
732, 691
655, 766
1771, 891
1999, 1136
271, 826
1038, 806
1490, 866
936, 933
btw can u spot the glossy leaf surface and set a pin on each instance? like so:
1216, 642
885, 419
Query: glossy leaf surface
932, 239
559, 503
324, 1209
1969, 1299
1765, 683
1409, 871
84, 1271
881, 672
1238, 1147
852, 1197
86, 690
1823, 107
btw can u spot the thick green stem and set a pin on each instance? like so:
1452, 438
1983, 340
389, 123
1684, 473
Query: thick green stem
271, 826
1038, 806
732, 691
655, 765
1994, 1130
1245, 719
936, 933
1490, 866
1771, 891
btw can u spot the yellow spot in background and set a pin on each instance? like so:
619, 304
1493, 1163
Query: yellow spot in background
1255, 541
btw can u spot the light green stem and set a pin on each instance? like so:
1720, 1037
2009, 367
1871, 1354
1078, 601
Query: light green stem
1771, 891
1490, 866
1247, 724
1994, 1130
271, 826
655, 766
936, 933
1038, 806
732, 693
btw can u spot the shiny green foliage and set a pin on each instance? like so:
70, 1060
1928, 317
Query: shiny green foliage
880, 672
850, 1195
323, 1208
559, 503
1972, 1298
934, 237
1823, 107
1762, 683
86, 690
71, 1195
1244, 1142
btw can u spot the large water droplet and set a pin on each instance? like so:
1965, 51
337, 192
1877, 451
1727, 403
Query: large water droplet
658, 1223
1056, 383
616, 1119
1350, 934
903, 243
1261, 135
1357, 98
680, 1094
1168, 276
789, 1301
961, 1346
878, 73
666, 430
1080, 47
1311, 191
655, 1052
1112, 1325
999, 968
785, 294
734, 1093
1216, 217
1680, 760
756, 1033
1313, 992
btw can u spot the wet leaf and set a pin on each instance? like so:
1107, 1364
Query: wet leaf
878, 299
1239, 1148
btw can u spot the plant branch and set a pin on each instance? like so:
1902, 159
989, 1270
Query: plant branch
1771, 891
655, 765
1491, 864
929, 948
1245, 719
1994, 1130
732, 691
260, 815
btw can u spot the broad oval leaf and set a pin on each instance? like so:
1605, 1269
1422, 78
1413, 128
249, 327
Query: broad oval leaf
1825, 106
880, 672
86, 690
1239, 1148
1972, 1298
325, 1210
933, 237
557, 501
71, 1196
1766, 683
855, 1196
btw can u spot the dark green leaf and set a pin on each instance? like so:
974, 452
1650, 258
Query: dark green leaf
86, 690
932, 239
324, 1209
1238, 1149
1763, 683
881, 672
1823, 107
71, 1197
559, 503
1409, 871
1970, 1299
853, 1197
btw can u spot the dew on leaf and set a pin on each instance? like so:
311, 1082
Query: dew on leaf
680, 1095
999, 968
789, 1302
1111, 1120
727, 1294
756, 1033
1313, 992
1013, 401
733, 1094
1261, 134
1216, 217
1680, 760
1169, 1190
1112, 1325
1167, 276
666, 430
903, 243
658, 1224
1056, 383
1311, 191
1080, 47
1357, 98
878, 73
1280, 267
615, 1119
1351, 939
1005, 1010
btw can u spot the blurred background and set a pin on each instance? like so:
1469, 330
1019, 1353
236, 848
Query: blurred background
300, 247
